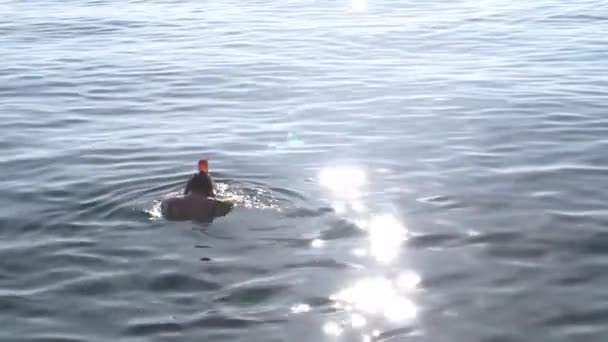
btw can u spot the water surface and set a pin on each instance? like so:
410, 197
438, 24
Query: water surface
404, 170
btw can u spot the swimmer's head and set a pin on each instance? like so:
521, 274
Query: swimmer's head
200, 184
203, 165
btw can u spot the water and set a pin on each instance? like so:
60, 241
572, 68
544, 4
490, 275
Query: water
404, 170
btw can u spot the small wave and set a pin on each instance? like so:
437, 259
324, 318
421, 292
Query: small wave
247, 196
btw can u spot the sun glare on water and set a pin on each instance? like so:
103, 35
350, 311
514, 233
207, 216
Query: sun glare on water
358, 6
386, 234
373, 296
343, 181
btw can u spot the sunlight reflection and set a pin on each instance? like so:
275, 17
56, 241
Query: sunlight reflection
361, 223
358, 6
408, 281
357, 320
386, 235
332, 328
358, 206
472, 233
300, 308
343, 181
360, 252
387, 298
317, 243
340, 207
401, 309
377, 296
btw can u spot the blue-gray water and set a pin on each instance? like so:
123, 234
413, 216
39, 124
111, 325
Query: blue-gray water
404, 170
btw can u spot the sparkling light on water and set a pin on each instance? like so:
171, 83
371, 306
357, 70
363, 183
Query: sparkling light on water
386, 235
332, 329
317, 243
373, 296
343, 181
300, 308
408, 281
357, 320
377, 296
358, 6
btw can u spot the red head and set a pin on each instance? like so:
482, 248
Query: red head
203, 165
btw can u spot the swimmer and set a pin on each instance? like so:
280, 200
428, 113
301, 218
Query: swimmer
198, 203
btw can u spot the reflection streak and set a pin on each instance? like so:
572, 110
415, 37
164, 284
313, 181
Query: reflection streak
379, 296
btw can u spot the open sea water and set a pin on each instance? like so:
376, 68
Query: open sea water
403, 170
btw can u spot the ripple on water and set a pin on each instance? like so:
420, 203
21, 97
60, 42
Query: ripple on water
171, 281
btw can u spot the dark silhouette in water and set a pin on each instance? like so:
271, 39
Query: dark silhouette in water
198, 202
200, 183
